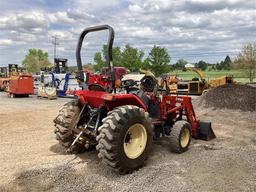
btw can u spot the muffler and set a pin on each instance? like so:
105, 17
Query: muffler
205, 131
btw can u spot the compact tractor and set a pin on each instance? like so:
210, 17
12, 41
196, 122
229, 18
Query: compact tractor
121, 119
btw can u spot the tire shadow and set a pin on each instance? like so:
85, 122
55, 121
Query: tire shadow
58, 149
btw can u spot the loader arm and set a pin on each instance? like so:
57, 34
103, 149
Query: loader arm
178, 104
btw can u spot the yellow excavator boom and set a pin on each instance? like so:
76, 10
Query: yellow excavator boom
198, 71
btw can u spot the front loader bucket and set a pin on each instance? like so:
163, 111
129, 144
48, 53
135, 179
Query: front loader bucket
205, 131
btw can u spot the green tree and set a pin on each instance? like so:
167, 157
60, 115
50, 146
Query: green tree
116, 54
132, 58
202, 65
72, 69
89, 66
246, 60
99, 61
145, 64
35, 60
222, 65
218, 67
180, 64
172, 67
159, 60
100, 57
227, 63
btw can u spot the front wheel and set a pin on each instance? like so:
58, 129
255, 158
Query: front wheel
125, 138
180, 136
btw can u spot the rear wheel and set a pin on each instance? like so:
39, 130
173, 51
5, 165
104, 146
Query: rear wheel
180, 136
64, 121
125, 138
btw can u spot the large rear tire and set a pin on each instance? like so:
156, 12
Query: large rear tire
64, 121
125, 138
180, 136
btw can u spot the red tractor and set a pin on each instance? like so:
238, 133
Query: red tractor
122, 124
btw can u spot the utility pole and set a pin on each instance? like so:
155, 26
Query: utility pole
55, 43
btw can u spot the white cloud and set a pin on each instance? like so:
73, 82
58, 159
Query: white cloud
96, 5
135, 8
24, 21
60, 17
186, 28
4, 42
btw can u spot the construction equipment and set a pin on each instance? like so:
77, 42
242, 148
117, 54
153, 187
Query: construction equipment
165, 82
60, 65
3, 83
4, 75
36, 79
122, 125
72, 86
196, 86
54, 81
169, 82
227, 79
20, 83
3, 72
53, 85
61, 81
47, 87
4, 79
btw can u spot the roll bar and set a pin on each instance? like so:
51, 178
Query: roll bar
109, 59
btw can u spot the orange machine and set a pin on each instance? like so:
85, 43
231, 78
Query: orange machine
4, 79
3, 83
20, 85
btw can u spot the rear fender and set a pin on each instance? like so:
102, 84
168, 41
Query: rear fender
97, 99
126, 99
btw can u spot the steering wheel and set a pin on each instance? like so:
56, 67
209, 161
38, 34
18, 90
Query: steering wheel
148, 83
128, 83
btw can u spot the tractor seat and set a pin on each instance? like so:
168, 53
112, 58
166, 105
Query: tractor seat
96, 87
153, 109
143, 97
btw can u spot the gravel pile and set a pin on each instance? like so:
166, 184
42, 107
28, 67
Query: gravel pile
241, 97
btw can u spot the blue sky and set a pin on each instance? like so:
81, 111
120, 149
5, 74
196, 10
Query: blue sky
193, 30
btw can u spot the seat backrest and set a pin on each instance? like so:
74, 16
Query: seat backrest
96, 87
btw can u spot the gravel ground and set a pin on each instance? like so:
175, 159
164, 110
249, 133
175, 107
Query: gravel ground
31, 159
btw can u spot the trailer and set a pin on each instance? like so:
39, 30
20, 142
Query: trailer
20, 85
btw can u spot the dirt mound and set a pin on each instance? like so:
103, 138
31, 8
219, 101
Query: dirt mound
241, 97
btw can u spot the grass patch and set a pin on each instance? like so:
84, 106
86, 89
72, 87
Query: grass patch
239, 76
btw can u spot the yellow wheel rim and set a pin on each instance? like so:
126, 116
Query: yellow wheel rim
185, 136
135, 141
